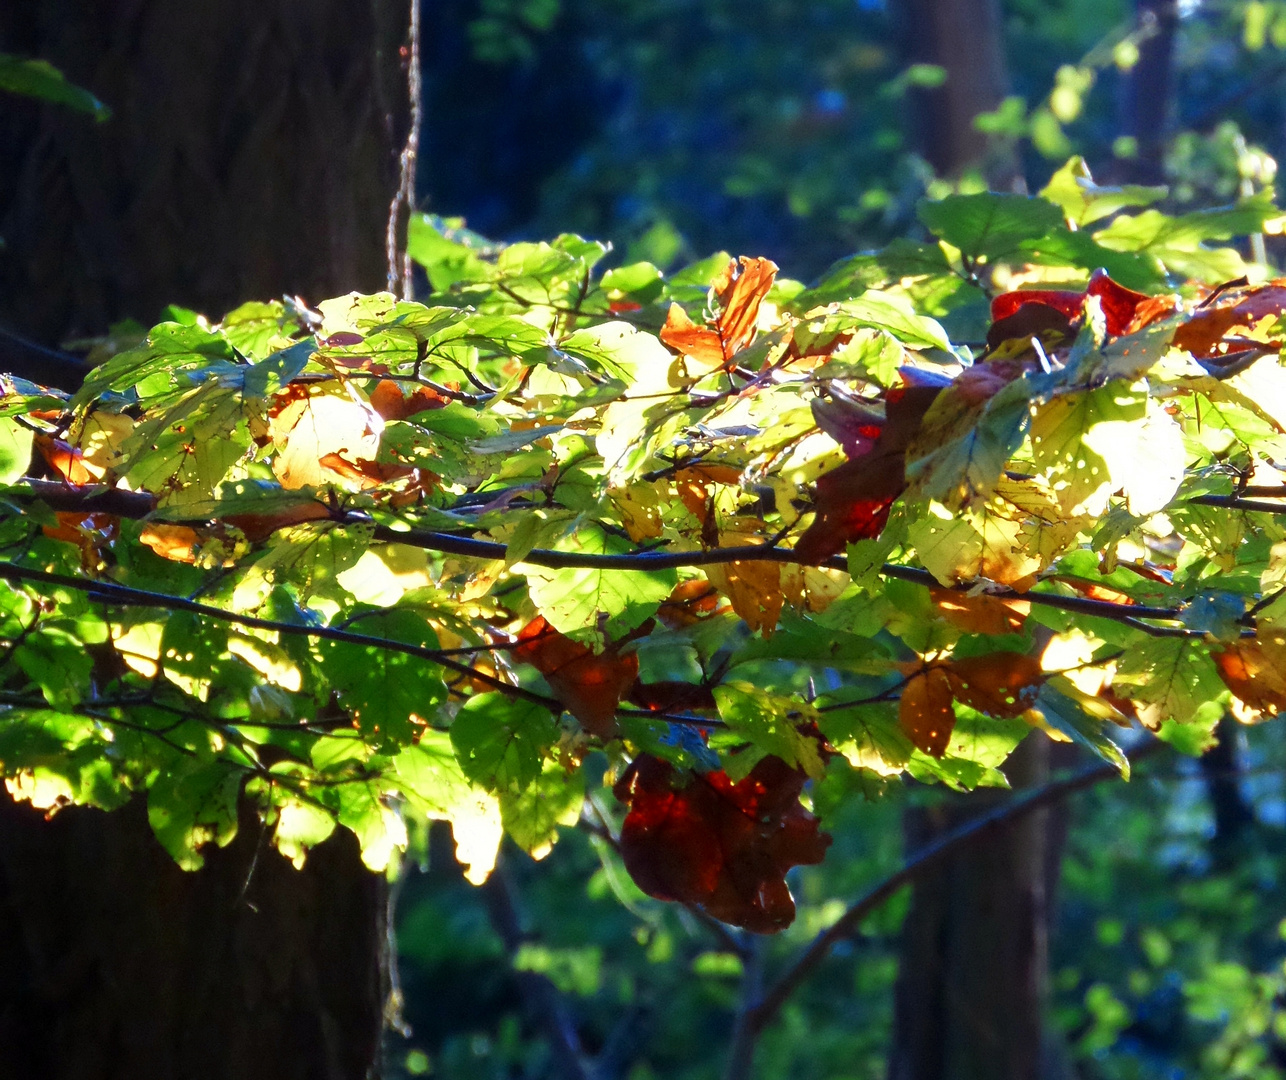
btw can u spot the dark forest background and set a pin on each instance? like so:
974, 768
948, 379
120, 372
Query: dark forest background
252, 152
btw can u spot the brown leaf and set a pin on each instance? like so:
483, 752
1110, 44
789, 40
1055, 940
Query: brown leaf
853, 501
589, 685
925, 711
1240, 312
721, 846
258, 527
1002, 684
980, 614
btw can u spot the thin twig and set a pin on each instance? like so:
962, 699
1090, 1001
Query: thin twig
807, 962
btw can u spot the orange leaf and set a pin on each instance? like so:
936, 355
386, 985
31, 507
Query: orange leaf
390, 402
689, 603
66, 460
754, 590
1244, 311
1002, 684
175, 542
741, 290
697, 342
980, 614
1255, 671
740, 287
925, 712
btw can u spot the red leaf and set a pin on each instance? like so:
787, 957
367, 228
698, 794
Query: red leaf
1120, 305
722, 846
589, 685
853, 501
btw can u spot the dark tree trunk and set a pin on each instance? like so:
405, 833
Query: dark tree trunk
1234, 816
117, 965
1148, 90
965, 38
971, 989
252, 152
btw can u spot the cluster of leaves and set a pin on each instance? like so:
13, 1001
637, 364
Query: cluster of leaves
386, 561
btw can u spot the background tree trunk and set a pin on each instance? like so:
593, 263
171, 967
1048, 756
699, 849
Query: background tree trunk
252, 152
971, 988
965, 38
1149, 90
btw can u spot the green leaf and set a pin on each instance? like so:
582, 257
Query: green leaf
191, 805
449, 253
1067, 715
1169, 678
390, 694
15, 450
572, 599
1084, 202
532, 817
39, 79
989, 225
501, 741
771, 723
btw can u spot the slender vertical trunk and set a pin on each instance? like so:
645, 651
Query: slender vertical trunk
252, 152
964, 38
1149, 89
1234, 816
971, 989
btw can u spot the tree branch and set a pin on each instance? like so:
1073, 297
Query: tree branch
123, 596
804, 965
139, 505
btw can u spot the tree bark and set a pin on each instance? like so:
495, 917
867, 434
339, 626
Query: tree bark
964, 38
1234, 816
971, 989
252, 152
117, 965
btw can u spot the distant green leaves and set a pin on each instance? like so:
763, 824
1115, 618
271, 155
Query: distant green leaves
39, 79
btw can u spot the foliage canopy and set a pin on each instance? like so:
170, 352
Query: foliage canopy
707, 537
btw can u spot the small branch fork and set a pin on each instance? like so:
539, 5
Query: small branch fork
756, 1014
